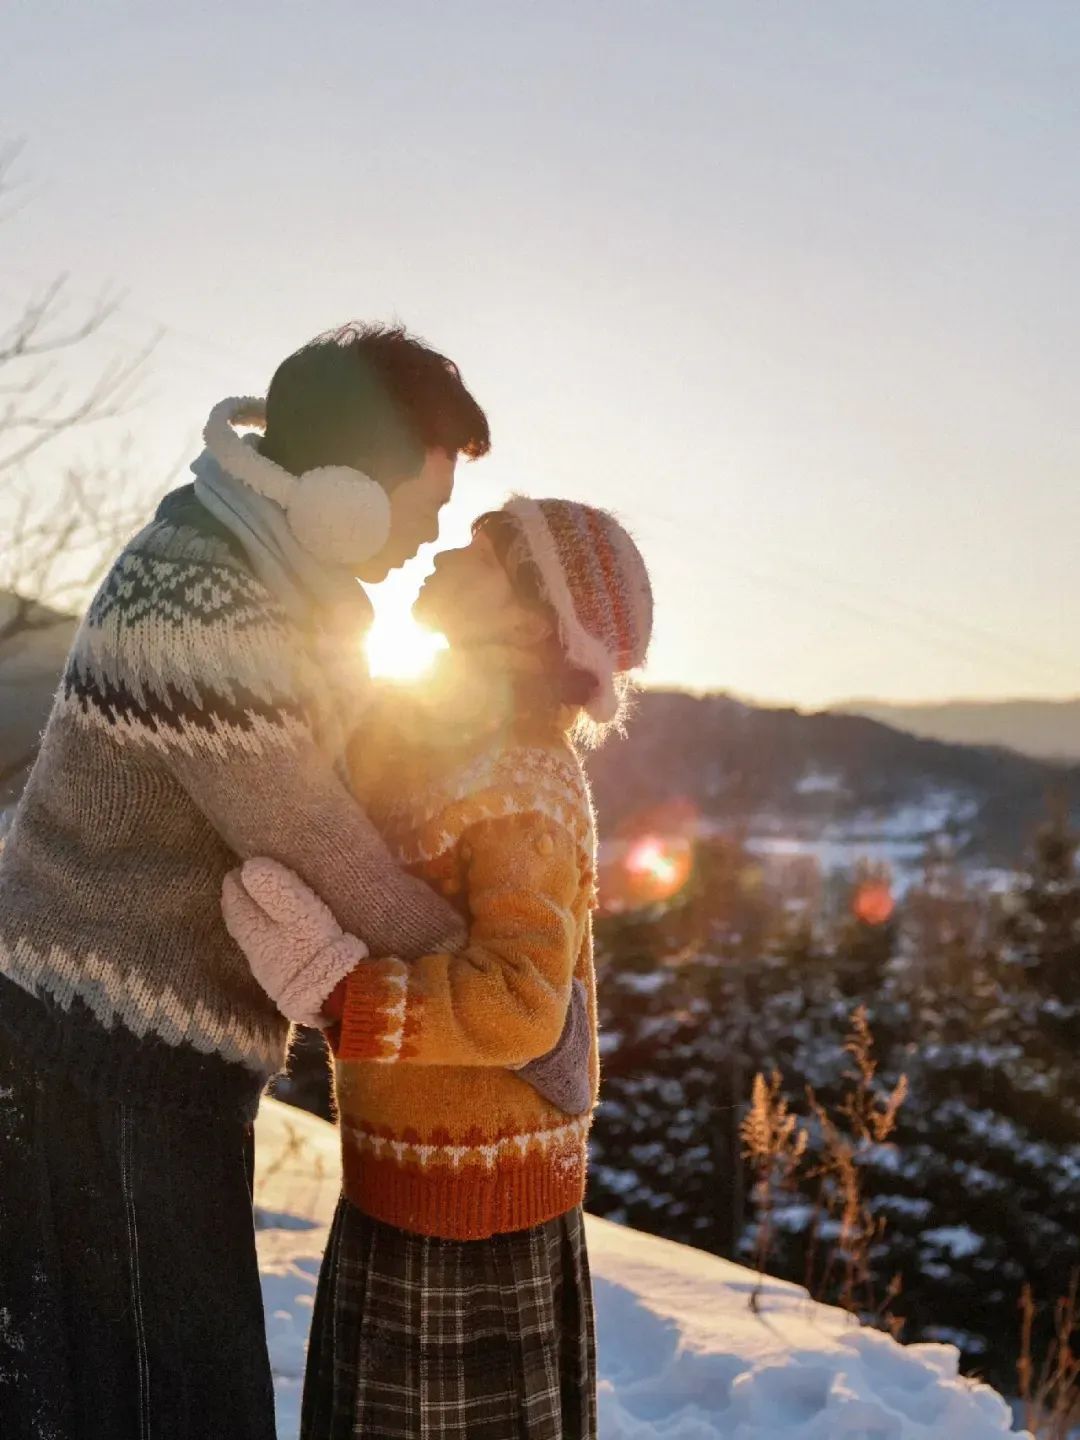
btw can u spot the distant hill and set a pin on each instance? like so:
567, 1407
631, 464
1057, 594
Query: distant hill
1047, 729
839, 785
843, 780
30, 667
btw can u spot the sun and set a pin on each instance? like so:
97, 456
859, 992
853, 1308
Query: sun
400, 649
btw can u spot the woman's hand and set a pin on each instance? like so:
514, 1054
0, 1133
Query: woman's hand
296, 949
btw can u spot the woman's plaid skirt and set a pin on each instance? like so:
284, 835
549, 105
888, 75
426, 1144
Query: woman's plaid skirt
428, 1339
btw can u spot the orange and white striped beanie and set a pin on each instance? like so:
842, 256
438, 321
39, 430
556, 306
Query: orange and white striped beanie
594, 578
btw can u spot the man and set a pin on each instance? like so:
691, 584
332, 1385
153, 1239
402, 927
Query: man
199, 719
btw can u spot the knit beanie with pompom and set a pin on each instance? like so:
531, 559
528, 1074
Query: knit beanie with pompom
594, 579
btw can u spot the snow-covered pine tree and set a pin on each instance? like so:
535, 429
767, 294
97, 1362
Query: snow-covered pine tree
939, 1201
979, 1187
1042, 935
985, 1189
694, 1000
652, 1163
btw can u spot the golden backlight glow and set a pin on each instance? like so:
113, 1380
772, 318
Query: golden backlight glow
400, 649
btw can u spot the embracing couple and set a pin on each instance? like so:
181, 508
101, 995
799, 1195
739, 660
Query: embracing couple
229, 829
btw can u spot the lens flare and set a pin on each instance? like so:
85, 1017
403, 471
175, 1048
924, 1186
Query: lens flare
648, 857
644, 870
651, 857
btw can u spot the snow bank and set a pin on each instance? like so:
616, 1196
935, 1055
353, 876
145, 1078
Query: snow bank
682, 1357
297, 1179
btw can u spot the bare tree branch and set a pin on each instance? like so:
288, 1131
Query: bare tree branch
34, 343
57, 539
55, 553
52, 557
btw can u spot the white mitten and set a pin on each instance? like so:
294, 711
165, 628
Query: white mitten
296, 949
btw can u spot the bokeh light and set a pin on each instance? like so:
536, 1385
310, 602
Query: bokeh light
650, 858
644, 870
873, 902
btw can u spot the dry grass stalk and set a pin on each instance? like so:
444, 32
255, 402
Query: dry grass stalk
846, 1277
1050, 1392
775, 1144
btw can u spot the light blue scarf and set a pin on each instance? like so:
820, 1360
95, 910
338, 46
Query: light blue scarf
311, 591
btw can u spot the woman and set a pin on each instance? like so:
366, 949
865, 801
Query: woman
454, 1298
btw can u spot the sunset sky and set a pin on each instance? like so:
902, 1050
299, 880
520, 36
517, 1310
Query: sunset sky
794, 288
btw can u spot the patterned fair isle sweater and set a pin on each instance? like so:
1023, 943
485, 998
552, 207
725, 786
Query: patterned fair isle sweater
193, 726
437, 1138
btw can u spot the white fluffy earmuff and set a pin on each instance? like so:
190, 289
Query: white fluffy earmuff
339, 515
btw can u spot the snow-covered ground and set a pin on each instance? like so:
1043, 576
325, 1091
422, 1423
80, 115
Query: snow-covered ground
681, 1355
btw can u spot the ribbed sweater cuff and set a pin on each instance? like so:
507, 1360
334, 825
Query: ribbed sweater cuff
374, 1019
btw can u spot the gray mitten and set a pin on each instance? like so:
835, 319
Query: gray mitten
562, 1075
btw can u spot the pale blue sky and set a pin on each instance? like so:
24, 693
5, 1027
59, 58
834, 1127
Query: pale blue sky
793, 287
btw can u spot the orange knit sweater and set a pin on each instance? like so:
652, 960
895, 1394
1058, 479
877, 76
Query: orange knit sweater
438, 1135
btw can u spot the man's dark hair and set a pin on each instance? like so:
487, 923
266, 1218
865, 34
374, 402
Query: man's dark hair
372, 397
